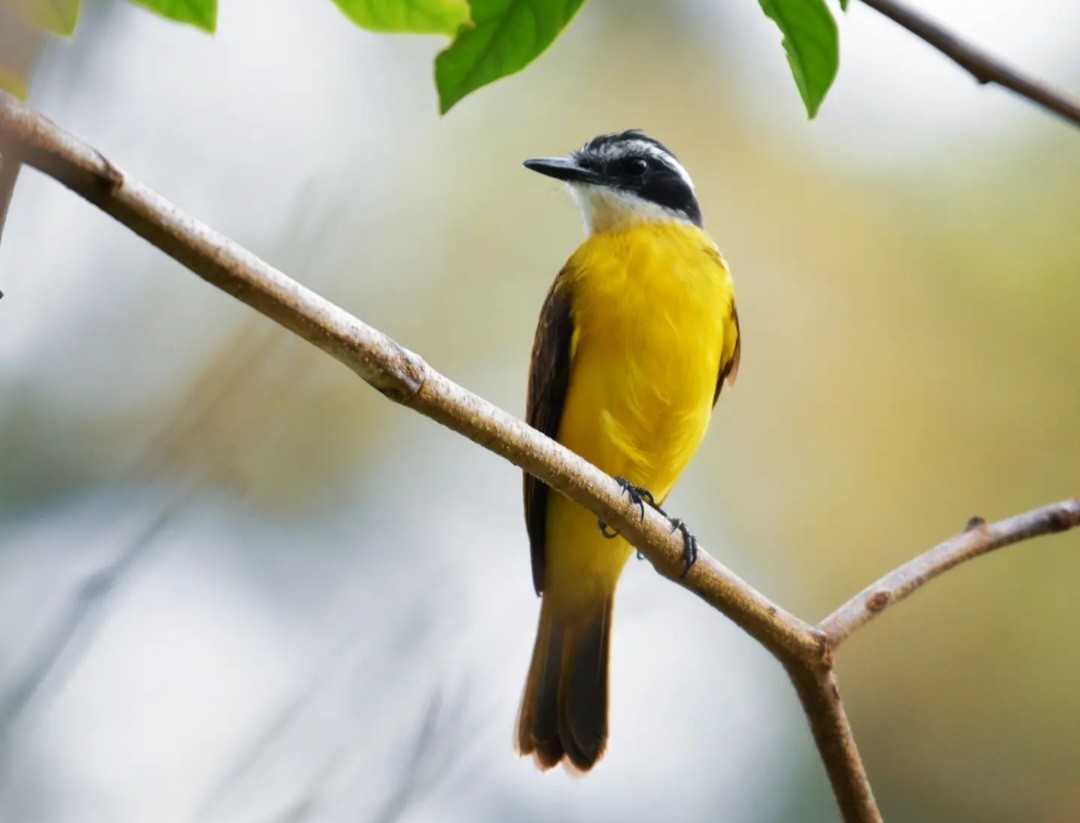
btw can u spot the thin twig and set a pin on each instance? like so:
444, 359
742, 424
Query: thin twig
87, 601
421, 767
984, 67
10, 163
91, 596
978, 539
284, 718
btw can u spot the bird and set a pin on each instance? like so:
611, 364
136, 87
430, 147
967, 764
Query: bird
637, 336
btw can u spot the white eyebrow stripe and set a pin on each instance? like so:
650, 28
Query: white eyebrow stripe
638, 147
664, 157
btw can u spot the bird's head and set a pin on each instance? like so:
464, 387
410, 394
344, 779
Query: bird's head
624, 179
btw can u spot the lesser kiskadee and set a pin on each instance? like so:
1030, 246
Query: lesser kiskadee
636, 338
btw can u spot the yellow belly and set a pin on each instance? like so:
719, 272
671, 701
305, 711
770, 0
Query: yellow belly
651, 308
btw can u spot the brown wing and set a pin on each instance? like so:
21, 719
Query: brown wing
549, 374
729, 367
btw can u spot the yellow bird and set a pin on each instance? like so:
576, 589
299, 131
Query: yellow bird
636, 338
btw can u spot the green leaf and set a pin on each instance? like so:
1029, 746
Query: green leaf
13, 83
411, 16
57, 16
811, 43
505, 37
20, 45
843, 5
199, 13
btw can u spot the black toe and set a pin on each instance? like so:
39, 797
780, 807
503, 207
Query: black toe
689, 545
638, 495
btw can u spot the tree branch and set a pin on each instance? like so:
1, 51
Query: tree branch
819, 692
10, 163
398, 373
982, 66
805, 650
978, 539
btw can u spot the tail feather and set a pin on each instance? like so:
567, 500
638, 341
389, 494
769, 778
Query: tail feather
584, 694
565, 706
538, 720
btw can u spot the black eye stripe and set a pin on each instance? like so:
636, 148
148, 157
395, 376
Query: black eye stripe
633, 162
634, 166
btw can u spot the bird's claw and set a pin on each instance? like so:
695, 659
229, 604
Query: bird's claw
689, 545
638, 495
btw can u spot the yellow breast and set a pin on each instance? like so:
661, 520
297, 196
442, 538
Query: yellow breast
652, 310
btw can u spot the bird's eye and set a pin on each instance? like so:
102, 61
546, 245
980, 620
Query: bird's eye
635, 166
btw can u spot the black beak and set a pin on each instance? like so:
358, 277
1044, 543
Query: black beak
562, 169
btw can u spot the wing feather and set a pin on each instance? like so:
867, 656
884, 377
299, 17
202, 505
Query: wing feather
731, 352
549, 375
729, 365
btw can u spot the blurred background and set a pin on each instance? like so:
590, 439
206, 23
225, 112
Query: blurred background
236, 584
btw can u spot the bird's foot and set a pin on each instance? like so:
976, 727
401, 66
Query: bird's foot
606, 530
689, 544
638, 495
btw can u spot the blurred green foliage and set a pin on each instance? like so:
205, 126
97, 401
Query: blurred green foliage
199, 13
56, 16
20, 44
490, 39
410, 16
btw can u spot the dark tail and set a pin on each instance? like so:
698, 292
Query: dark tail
565, 706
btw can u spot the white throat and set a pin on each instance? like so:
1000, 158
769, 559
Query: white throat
609, 210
